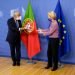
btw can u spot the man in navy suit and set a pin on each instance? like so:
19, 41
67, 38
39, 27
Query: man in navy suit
13, 37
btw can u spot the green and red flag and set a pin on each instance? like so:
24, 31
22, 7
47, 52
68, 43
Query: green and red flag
30, 37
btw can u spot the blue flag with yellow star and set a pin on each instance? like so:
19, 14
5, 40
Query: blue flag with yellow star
64, 44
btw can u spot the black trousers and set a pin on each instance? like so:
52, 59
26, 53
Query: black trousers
15, 51
52, 52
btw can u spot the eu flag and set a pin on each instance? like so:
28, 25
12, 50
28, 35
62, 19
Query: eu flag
64, 44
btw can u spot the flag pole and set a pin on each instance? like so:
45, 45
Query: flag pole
31, 61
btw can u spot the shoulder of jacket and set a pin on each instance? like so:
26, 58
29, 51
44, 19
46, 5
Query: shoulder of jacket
10, 19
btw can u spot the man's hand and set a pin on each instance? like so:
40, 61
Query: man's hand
20, 29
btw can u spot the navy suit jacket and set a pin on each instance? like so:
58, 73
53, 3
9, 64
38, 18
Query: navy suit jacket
13, 35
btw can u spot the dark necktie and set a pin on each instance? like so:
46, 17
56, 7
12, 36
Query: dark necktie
17, 24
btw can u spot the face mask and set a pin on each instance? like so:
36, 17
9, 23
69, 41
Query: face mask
49, 19
18, 18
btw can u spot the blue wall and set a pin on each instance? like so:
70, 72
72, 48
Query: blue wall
40, 8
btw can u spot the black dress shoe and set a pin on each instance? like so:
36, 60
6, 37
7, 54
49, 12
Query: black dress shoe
54, 69
18, 64
14, 64
48, 67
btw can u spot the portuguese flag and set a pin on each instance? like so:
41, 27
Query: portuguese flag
30, 39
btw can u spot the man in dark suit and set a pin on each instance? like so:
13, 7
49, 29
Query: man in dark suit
13, 37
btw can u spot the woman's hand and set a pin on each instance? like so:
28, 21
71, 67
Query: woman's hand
44, 33
40, 31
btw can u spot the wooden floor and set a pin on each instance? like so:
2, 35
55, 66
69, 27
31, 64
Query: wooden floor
6, 68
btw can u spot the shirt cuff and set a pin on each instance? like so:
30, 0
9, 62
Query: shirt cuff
19, 29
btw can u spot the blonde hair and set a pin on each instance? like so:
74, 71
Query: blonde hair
52, 14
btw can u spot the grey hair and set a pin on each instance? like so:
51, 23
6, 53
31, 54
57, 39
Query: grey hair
13, 12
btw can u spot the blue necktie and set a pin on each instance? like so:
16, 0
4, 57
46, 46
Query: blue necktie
17, 24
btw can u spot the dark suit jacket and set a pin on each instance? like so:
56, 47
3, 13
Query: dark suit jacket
13, 35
